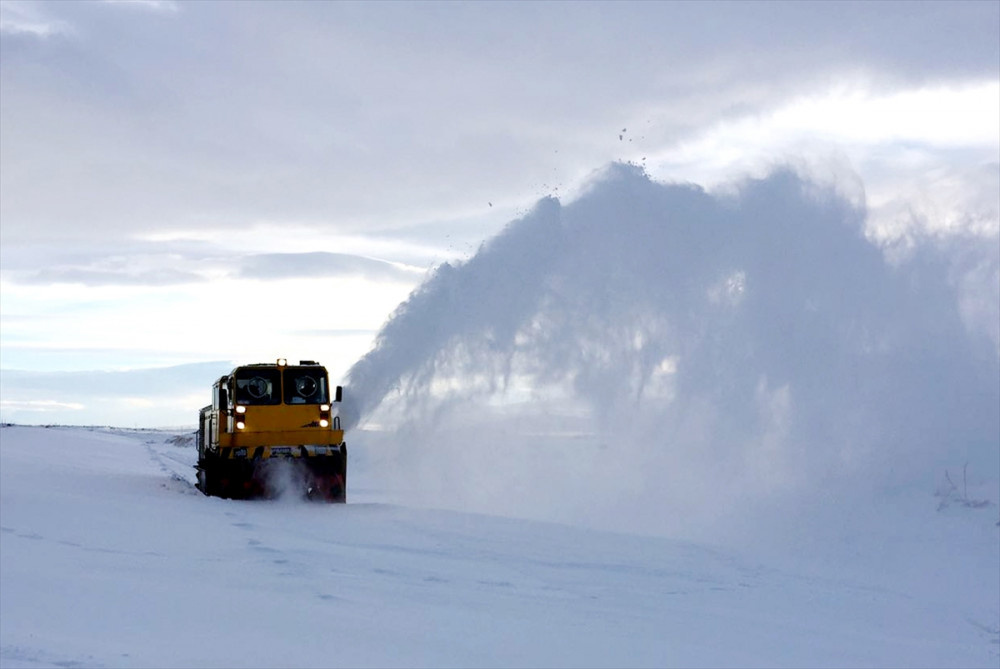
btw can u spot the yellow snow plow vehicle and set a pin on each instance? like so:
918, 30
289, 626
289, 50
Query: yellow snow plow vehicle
271, 428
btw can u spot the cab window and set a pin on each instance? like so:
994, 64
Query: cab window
306, 385
258, 386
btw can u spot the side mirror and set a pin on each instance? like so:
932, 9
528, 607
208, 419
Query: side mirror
339, 395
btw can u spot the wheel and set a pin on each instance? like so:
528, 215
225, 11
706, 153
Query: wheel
210, 481
343, 472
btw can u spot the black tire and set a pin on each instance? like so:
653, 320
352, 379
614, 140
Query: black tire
210, 479
207, 480
343, 472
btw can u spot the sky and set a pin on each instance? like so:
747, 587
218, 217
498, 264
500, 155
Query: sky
188, 186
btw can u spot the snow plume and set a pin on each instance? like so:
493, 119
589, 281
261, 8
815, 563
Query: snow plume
654, 356
284, 480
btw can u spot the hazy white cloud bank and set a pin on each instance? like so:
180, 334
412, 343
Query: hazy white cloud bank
168, 396
155, 264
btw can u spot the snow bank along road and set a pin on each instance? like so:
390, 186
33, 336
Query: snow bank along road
110, 557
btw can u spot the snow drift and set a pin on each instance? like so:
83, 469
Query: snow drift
110, 558
659, 356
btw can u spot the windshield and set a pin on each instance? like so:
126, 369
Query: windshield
258, 386
306, 385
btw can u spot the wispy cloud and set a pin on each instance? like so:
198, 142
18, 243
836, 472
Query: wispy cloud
320, 264
169, 6
173, 265
30, 18
921, 159
42, 406
159, 277
853, 113
57, 397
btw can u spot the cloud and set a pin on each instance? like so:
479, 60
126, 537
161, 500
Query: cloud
127, 383
320, 264
30, 19
332, 113
41, 406
163, 6
161, 396
102, 262
161, 277
180, 262
339, 332
118, 263
854, 115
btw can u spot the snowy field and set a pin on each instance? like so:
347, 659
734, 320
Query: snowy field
110, 557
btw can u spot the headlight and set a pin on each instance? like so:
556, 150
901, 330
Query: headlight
240, 408
324, 407
324, 422
240, 425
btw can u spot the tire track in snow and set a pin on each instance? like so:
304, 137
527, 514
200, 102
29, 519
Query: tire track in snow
175, 455
19, 655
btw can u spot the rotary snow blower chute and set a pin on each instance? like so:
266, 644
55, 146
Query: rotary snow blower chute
270, 430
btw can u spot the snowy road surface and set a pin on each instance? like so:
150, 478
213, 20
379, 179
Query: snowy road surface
110, 557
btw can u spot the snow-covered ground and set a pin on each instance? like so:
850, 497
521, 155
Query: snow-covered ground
110, 557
